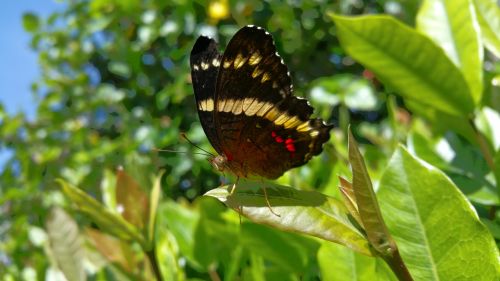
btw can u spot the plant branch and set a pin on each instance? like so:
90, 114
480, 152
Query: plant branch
483, 146
485, 150
397, 266
213, 275
151, 254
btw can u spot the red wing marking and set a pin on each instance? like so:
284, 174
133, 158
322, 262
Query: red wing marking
229, 156
289, 145
288, 142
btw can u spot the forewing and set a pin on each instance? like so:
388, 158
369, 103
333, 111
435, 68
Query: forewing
205, 60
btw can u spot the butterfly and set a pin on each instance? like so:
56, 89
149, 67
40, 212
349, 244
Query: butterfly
247, 109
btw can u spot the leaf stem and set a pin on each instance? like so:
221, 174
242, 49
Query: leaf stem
151, 254
488, 156
397, 266
213, 275
483, 146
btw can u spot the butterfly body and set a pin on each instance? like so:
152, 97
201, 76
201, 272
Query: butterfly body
247, 109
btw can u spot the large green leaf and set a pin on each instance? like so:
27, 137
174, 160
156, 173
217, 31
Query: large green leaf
306, 212
488, 15
407, 61
452, 25
107, 220
438, 233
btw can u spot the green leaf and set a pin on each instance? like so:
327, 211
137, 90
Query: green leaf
107, 220
167, 254
488, 16
443, 122
338, 263
289, 251
232, 271
66, 244
452, 26
30, 22
153, 205
368, 208
120, 69
114, 250
256, 270
181, 222
349, 198
405, 60
305, 212
437, 230
210, 228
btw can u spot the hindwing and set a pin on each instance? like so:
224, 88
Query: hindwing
262, 127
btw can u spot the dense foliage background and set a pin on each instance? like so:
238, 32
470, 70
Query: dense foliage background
116, 85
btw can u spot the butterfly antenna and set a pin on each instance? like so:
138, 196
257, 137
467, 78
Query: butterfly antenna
188, 140
178, 151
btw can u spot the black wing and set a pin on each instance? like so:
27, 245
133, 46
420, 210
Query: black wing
205, 61
260, 124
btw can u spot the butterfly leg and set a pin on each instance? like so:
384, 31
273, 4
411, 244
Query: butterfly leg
268, 203
240, 208
234, 186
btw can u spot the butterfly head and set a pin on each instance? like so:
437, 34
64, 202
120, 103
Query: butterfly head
219, 162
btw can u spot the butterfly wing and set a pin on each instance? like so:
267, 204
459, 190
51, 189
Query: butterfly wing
205, 61
263, 129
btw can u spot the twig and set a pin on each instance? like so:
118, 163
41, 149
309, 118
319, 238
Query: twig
154, 263
485, 150
397, 265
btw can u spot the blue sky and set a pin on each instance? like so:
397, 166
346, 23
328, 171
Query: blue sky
18, 67
18, 63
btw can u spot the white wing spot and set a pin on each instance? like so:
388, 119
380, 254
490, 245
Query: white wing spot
283, 93
206, 105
